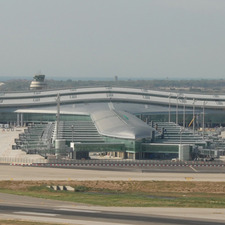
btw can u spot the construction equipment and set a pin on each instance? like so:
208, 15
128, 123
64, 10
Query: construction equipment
191, 121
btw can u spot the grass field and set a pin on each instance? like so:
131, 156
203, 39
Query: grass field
126, 193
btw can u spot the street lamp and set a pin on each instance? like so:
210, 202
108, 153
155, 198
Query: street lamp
203, 119
184, 101
177, 111
194, 116
181, 131
72, 131
169, 107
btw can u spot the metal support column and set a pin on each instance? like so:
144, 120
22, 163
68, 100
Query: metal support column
177, 111
18, 119
203, 119
169, 108
184, 113
72, 132
57, 116
21, 119
193, 115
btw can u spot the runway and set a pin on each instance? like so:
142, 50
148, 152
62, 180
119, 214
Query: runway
34, 209
136, 167
43, 210
41, 173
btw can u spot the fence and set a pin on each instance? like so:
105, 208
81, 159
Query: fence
106, 162
19, 160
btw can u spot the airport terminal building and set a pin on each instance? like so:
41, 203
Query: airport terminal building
124, 122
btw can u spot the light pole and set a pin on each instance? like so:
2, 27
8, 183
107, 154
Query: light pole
177, 111
193, 116
169, 107
57, 116
184, 101
203, 119
181, 131
72, 131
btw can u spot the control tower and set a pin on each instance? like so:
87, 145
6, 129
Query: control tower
38, 83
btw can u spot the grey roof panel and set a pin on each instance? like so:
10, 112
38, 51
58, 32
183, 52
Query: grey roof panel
121, 124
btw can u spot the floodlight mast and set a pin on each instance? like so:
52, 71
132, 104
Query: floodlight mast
184, 112
203, 119
57, 116
194, 100
177, 111
169, 108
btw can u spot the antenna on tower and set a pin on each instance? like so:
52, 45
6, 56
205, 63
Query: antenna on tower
39, 72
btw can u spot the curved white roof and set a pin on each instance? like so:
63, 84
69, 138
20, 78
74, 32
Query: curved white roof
107, 94
119, 124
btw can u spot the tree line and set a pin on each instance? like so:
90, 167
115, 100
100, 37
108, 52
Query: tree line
192, 85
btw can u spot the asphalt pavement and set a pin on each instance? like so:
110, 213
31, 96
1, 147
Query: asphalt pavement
42, 210
160, 174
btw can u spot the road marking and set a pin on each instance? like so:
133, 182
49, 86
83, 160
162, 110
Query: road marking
35, 214
193, 169
79, 210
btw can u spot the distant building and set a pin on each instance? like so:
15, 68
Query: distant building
125, 122
38, 83
116, 78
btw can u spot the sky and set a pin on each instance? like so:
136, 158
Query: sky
136, 39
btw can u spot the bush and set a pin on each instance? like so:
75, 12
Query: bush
81, 188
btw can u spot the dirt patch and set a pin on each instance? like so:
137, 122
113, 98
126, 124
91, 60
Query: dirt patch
18, 222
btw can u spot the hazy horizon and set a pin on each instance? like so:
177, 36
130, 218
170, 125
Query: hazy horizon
63, 78
99, 39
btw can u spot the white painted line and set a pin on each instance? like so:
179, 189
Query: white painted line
35, 214
79, 210
193, 169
